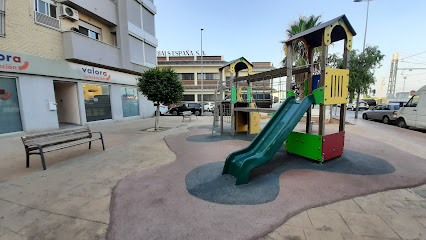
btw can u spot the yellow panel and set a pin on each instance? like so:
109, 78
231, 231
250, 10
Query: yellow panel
336, 84
254, 121
329, 29
232, 66
239, 95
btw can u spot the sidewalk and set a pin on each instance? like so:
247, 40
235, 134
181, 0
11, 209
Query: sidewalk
70, 200
396, 214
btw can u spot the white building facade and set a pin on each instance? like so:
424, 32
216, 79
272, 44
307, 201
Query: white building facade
63, 70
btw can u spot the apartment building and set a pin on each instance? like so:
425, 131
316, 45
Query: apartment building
73, 62
189, 70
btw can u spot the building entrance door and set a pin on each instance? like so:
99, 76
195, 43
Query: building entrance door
68, 109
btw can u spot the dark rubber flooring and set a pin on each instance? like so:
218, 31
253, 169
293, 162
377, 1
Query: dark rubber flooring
207, 183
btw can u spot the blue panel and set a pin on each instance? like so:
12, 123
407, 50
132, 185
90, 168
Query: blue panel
315, 81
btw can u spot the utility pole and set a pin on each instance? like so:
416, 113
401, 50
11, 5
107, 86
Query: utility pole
202, 75
395, 73
389, 93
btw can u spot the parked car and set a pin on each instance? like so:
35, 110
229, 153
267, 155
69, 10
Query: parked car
209, 106
413, 114
195, 108
163, 109
384, 112
370, 101
362, 105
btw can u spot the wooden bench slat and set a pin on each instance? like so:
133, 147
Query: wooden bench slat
66, 145
52, 140
55, 133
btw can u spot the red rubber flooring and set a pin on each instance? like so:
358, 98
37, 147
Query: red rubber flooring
155, 204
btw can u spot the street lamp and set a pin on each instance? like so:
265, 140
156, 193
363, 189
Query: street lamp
363, 48
202, 75
366, 20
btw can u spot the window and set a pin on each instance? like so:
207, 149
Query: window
209, 76
413, 101
189, 97
10, 120
2, 25
130, 102
148, 21
46, 7
97, 102
89, 30
186, 76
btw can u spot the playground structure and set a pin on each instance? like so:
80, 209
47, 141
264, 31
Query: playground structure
330, 88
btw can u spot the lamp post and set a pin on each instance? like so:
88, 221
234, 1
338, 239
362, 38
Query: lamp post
202, 75
363, 48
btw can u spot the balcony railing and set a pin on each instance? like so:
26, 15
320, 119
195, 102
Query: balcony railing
47, 21
78, 47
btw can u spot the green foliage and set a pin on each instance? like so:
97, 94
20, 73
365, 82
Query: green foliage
361, 68
300, 55
161, 85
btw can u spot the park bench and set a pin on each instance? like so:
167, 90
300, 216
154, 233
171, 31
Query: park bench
56, 140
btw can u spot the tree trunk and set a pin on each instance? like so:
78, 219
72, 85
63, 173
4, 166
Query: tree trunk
357, 105
331, 113
157, 116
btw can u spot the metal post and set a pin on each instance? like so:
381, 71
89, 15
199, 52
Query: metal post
309, 90
202, 75
222, 99
289, 66
366, 21
324, 49
342, 119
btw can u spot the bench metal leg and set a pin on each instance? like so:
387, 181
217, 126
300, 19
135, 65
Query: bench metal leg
42, 158
102, 139
90, 145
28, 160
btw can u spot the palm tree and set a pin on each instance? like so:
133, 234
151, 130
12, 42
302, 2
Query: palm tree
302, 24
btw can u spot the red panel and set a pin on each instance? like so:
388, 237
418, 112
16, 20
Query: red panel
332, 145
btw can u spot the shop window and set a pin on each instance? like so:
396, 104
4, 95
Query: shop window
97, 102
130, 101
89, 30
10, 116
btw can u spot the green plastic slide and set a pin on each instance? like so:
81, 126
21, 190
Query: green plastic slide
268, 141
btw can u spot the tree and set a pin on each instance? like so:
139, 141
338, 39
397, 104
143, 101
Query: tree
300, 56
162, 86
361, 70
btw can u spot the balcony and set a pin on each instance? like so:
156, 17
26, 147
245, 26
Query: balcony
106, 9
80, 48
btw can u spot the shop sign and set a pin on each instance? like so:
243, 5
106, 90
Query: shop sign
6, 95
179, 53
12, 62
28, 64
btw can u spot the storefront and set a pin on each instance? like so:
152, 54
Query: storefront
38, 94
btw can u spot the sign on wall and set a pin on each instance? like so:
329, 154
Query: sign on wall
23, 63
179, 53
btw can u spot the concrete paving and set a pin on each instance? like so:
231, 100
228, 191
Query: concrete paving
71, 199
395, 214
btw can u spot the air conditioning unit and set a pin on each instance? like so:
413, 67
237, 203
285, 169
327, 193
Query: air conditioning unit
69, 12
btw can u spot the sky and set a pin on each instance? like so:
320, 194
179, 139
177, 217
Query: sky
255, 29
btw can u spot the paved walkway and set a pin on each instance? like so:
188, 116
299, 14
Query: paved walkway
71, 199
395, 214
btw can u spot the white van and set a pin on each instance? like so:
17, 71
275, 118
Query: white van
413, 114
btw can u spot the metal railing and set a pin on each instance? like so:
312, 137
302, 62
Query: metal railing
2, 24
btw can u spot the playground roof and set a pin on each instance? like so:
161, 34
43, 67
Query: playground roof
236, 60
275, 73
313, 36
